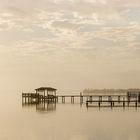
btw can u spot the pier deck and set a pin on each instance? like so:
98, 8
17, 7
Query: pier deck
104, 100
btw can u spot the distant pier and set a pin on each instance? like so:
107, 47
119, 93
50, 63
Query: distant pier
36, 98
128, 99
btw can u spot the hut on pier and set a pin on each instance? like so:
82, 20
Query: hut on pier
46, 91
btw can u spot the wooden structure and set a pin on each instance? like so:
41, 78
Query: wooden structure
42, 94
46, 91
71, 97
48, 94
113, 101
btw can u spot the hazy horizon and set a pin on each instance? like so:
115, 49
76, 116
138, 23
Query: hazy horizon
69, 44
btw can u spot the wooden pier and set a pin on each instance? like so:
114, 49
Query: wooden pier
71, 97
113, 100
31, 98
90, 100
35, 98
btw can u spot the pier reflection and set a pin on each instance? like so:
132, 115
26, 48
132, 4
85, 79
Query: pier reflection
49, 106
41, 107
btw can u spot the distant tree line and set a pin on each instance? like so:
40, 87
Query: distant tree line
107, 91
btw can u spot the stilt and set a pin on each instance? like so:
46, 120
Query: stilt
87, 104
90, 98
81, 98
136, 104
22, 98
99, 103
118, 99
63, 99
100, 98
109, 98
128, 103
57, 99
111, 104
72, 99
139, 97
25, 98
123, 103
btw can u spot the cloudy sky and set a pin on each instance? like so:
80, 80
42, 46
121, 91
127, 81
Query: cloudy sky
69, 44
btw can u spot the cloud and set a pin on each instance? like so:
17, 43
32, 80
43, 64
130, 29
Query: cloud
89, 27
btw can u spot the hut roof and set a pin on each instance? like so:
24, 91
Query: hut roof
46, 88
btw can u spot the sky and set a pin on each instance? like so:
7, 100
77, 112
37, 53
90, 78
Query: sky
69, 44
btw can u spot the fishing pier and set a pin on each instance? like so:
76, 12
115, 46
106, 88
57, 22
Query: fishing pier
128, 100
36, 98
48, 94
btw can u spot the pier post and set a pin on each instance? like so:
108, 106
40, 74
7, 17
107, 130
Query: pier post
57, 99
128, 102
81, 98
22, 98
99, 103
136, 104
25, 98
111, 104
29, 97
128, 98
42, 99
123, 102
139, 97
38, 98
87, 104
90, 98
118, 99
72, 99
63, 99
100, 98
109, 98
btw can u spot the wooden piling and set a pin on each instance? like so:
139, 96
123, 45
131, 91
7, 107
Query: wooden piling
118, 99
100, 98
72, 99
99, 103
112, 100
139, 97
123, 102
109, 98
63, 99
111, 104
136, 104
25, 98
81, 98
87, 104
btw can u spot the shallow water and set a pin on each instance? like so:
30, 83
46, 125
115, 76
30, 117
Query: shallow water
66, 122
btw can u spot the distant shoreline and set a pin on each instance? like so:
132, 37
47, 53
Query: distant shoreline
111, 91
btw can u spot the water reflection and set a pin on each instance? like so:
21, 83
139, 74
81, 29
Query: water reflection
42, 106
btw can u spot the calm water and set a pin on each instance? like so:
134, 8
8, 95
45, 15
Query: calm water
66, 122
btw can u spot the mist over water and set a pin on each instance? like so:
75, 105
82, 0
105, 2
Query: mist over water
69, 45
66, 121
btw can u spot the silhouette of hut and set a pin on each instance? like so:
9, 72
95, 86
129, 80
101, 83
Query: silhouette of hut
46, 91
